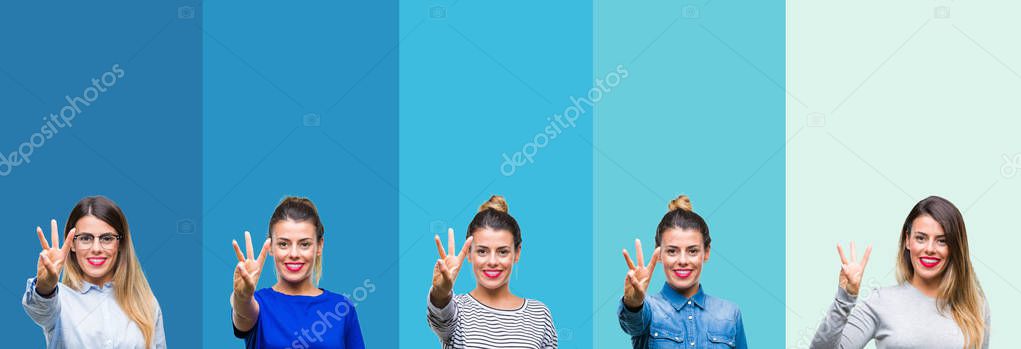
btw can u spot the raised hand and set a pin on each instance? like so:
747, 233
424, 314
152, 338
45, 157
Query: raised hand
851, 270
51, 259
248, 270
447, 267
638, 277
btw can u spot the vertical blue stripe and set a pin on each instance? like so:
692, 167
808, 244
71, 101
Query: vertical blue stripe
702, 113
301, 99
480, 80
136, 138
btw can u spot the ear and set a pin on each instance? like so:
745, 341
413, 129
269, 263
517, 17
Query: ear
706, 258
322, 241
517, 253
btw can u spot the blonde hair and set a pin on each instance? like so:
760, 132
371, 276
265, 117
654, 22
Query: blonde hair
131, 289
495, 202
682, 202
959, 290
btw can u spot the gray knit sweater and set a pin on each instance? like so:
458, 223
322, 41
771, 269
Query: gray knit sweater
896, 317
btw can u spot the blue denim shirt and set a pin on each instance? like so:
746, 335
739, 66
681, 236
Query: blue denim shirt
670, 320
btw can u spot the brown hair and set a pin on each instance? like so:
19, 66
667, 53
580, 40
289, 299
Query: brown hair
493, 214
301, 209
959, 290
680, 216
131, 289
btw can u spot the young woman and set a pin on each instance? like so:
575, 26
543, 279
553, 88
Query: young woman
681, 315
104, 300
295, 312
490, 316
937, 303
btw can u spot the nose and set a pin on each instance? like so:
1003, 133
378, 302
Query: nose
292, 251
929, 247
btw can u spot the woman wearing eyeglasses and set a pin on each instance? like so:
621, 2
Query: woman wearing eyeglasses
104, 300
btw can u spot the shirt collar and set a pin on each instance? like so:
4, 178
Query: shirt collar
678, 301
86, 287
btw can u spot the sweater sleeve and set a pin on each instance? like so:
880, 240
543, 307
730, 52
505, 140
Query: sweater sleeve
443, 321
846, 326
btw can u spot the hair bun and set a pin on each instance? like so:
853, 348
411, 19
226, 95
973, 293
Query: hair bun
680, 203
495, 202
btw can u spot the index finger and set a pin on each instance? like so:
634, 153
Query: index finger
42, 238
655, 258
262, 253
68, 241
865, 259
465, 248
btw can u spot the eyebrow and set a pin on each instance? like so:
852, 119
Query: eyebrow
498, 247
927, 235
678, 247
286, 239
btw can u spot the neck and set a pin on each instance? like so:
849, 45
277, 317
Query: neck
927, 287
500, 298
304, 288
100, 281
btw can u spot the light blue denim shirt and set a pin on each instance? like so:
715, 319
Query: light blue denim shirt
670, 320
87, 318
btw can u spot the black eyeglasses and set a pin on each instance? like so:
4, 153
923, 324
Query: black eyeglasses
84, 241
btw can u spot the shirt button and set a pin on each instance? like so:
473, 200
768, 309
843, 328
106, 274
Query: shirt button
692, 343
689, 302
654, 334
690, 317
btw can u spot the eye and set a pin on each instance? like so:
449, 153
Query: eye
671, 251
481, 252
942, 242
919, 238
106, 238
306, 244
282, 244
85, 238
504, 252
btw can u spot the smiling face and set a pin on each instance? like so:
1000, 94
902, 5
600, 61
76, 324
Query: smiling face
95, 257
294, 250
682, 253
927, 248
492, 257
